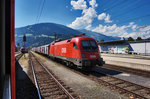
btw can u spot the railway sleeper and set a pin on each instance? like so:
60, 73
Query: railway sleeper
137, 89
50, 90
58, 93
118, 82
128, 85
111, 81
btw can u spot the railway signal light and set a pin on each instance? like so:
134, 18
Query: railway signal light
24, 38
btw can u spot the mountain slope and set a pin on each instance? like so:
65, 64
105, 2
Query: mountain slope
99, 36
43, 33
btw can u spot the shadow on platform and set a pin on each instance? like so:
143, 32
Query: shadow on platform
25, 88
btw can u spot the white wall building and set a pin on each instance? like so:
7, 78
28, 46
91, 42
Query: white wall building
139, 47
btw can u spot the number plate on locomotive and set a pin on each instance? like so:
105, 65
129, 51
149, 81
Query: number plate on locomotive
92, 56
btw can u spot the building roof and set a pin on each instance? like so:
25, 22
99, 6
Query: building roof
121, 42
142, 41
112, 42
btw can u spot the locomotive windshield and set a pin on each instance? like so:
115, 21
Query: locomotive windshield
89, 45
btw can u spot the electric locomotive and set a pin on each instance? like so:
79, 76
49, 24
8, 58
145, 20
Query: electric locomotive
80, 51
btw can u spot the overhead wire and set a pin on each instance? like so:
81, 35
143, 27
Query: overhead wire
118, 4
131, 4
106, 4
42, 7
131, 10
39, 7
136, 18
40, 10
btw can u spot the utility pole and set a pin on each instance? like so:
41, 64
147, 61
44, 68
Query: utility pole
54, 42
55, 35
145, 47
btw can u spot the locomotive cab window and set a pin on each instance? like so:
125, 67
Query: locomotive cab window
75, 46
89, 45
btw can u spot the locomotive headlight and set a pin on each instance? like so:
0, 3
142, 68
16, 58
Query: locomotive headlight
83, 56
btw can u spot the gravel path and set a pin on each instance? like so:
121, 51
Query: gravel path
86, 88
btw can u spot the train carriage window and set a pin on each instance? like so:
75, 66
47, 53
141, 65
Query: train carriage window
75, 46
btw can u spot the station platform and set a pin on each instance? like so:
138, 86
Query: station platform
139, 62
140, 80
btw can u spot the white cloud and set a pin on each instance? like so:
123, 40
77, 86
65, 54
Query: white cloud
122, 31
66, 6
146, 28
80, 4
105, 17
114, 30
89, 27
85, 20
144, 32
101, 16
93, 3
134, 27
88, 14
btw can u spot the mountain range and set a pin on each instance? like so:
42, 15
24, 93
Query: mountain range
43, 33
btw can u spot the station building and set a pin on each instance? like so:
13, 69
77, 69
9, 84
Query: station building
125, 47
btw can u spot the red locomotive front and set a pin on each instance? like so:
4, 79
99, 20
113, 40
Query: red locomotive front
80, 51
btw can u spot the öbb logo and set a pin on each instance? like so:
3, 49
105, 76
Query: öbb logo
63, 50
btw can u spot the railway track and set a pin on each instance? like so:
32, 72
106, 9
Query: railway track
123, 87
18, 57
128, 70
48, 86
126, 88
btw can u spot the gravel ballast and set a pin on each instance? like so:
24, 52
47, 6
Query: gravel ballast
84, 87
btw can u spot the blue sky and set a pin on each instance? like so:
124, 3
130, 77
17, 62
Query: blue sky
110, 17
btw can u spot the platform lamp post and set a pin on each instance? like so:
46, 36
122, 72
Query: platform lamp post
54, 41
145, 45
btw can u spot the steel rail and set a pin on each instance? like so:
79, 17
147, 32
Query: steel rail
128, 70
35, 80
60, 85
123, 88
18, 57
125, 81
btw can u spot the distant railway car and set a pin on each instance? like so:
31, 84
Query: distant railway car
80, 51
24, 50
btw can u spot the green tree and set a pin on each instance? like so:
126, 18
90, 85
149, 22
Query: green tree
102, 40
138, 39
130, 39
